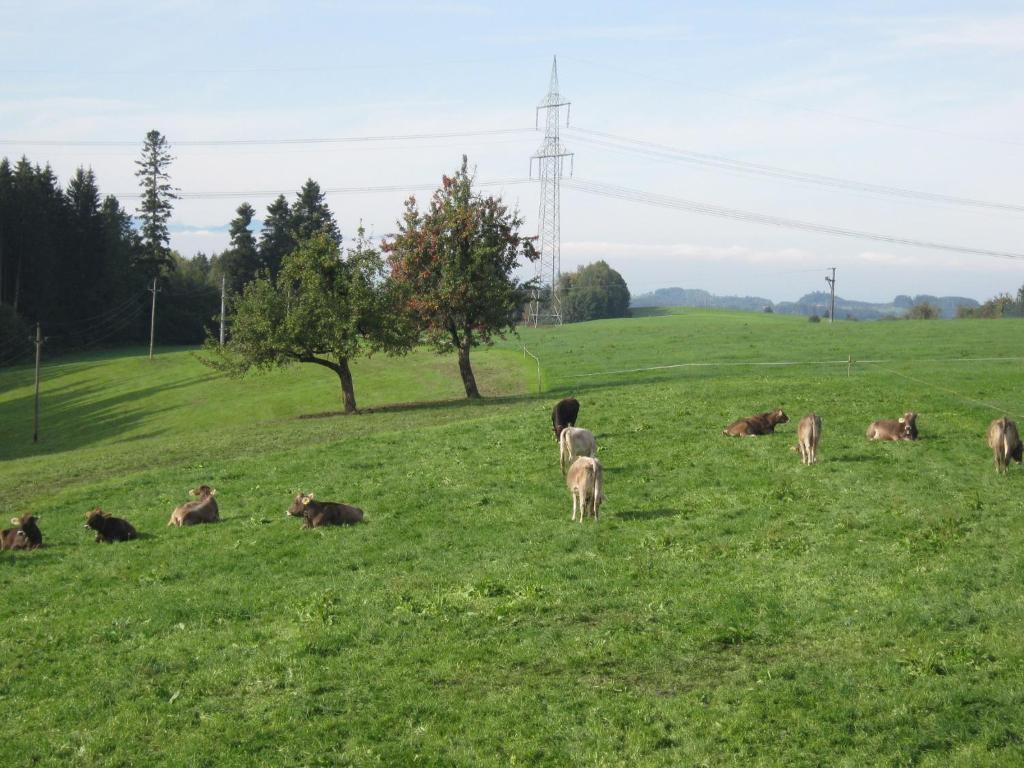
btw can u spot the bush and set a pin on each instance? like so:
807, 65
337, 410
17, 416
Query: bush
923, 311
814, 319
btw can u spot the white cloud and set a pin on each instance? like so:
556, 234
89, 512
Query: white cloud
1005, 34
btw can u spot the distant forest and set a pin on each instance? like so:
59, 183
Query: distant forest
817, 303
73, 260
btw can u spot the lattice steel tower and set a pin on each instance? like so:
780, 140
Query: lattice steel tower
546, 305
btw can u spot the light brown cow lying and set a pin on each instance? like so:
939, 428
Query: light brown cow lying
1004, 440
808, 433
903, 428
585, 481
761, 424
203, 510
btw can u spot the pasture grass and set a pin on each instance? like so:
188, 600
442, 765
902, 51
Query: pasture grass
732, 607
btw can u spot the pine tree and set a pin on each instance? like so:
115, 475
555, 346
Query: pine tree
156, 205
311, 215
241, 261
276, 239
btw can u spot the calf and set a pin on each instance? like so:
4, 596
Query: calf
903, 428
26, 536
573, 442
585, 481
317, 513
564, 415
1004, 440
109, 529
761, 424
808, 433
203, 510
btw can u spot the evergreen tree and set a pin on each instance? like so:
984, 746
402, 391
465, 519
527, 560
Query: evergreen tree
83, 278
241, 261
455, 264
156, 205
310, 214
276, 240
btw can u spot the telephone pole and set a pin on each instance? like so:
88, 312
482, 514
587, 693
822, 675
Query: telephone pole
39, 357
832, 284
223, 279
152, 320
550, 157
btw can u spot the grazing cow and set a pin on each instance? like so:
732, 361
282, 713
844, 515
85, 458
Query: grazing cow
761, 424
564, 415
109, 529
26, 536
585, 481
1004, 440
903, 428
203, 510
317, 513
808, 433
573, 442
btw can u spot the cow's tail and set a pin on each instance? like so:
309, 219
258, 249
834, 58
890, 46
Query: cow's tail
563, 449
598, 487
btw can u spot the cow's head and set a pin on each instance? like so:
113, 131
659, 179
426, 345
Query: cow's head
203, 492
779, 416
909, 422
26, 521
299, 504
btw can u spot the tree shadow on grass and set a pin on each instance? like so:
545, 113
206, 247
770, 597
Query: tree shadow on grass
648, 514
74, 416
426, 405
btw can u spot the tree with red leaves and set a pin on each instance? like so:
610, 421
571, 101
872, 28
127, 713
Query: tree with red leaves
454, 264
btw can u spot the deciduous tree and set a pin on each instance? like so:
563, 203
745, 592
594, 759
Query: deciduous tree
455, 264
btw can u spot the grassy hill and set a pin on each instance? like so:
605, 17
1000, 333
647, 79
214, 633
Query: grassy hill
731, 607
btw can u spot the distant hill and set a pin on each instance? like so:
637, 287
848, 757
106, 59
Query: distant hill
816, 303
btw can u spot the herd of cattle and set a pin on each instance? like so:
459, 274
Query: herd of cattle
577, 457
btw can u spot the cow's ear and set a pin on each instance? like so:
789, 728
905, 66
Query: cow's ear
16, 521
306, 500
902, 420
213, 491
311, 496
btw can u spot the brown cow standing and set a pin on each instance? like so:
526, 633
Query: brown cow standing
808, 433
761, 424
903, 428
26, 536
203, 510
1004, 440
317, 513
109, 529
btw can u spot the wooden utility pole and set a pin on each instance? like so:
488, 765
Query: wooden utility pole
223, 279
832, 284
152, 320
39, 357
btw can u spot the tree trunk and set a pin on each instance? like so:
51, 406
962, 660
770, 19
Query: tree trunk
468, 380
347, 390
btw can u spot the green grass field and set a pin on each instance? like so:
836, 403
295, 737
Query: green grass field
732, 607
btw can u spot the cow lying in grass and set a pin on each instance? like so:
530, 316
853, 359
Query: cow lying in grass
585, 481
903, 428
808, 433
317, 513
564, 415
109, 529
26, 536
203, 510
574, 442
1004, 440
761, 424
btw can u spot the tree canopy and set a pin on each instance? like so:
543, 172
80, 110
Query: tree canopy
454, 267
593, 292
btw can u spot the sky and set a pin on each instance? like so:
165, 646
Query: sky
743, 101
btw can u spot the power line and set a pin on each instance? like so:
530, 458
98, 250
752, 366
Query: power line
661, 151
784, 105
269, 142
326, 190
675, 203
